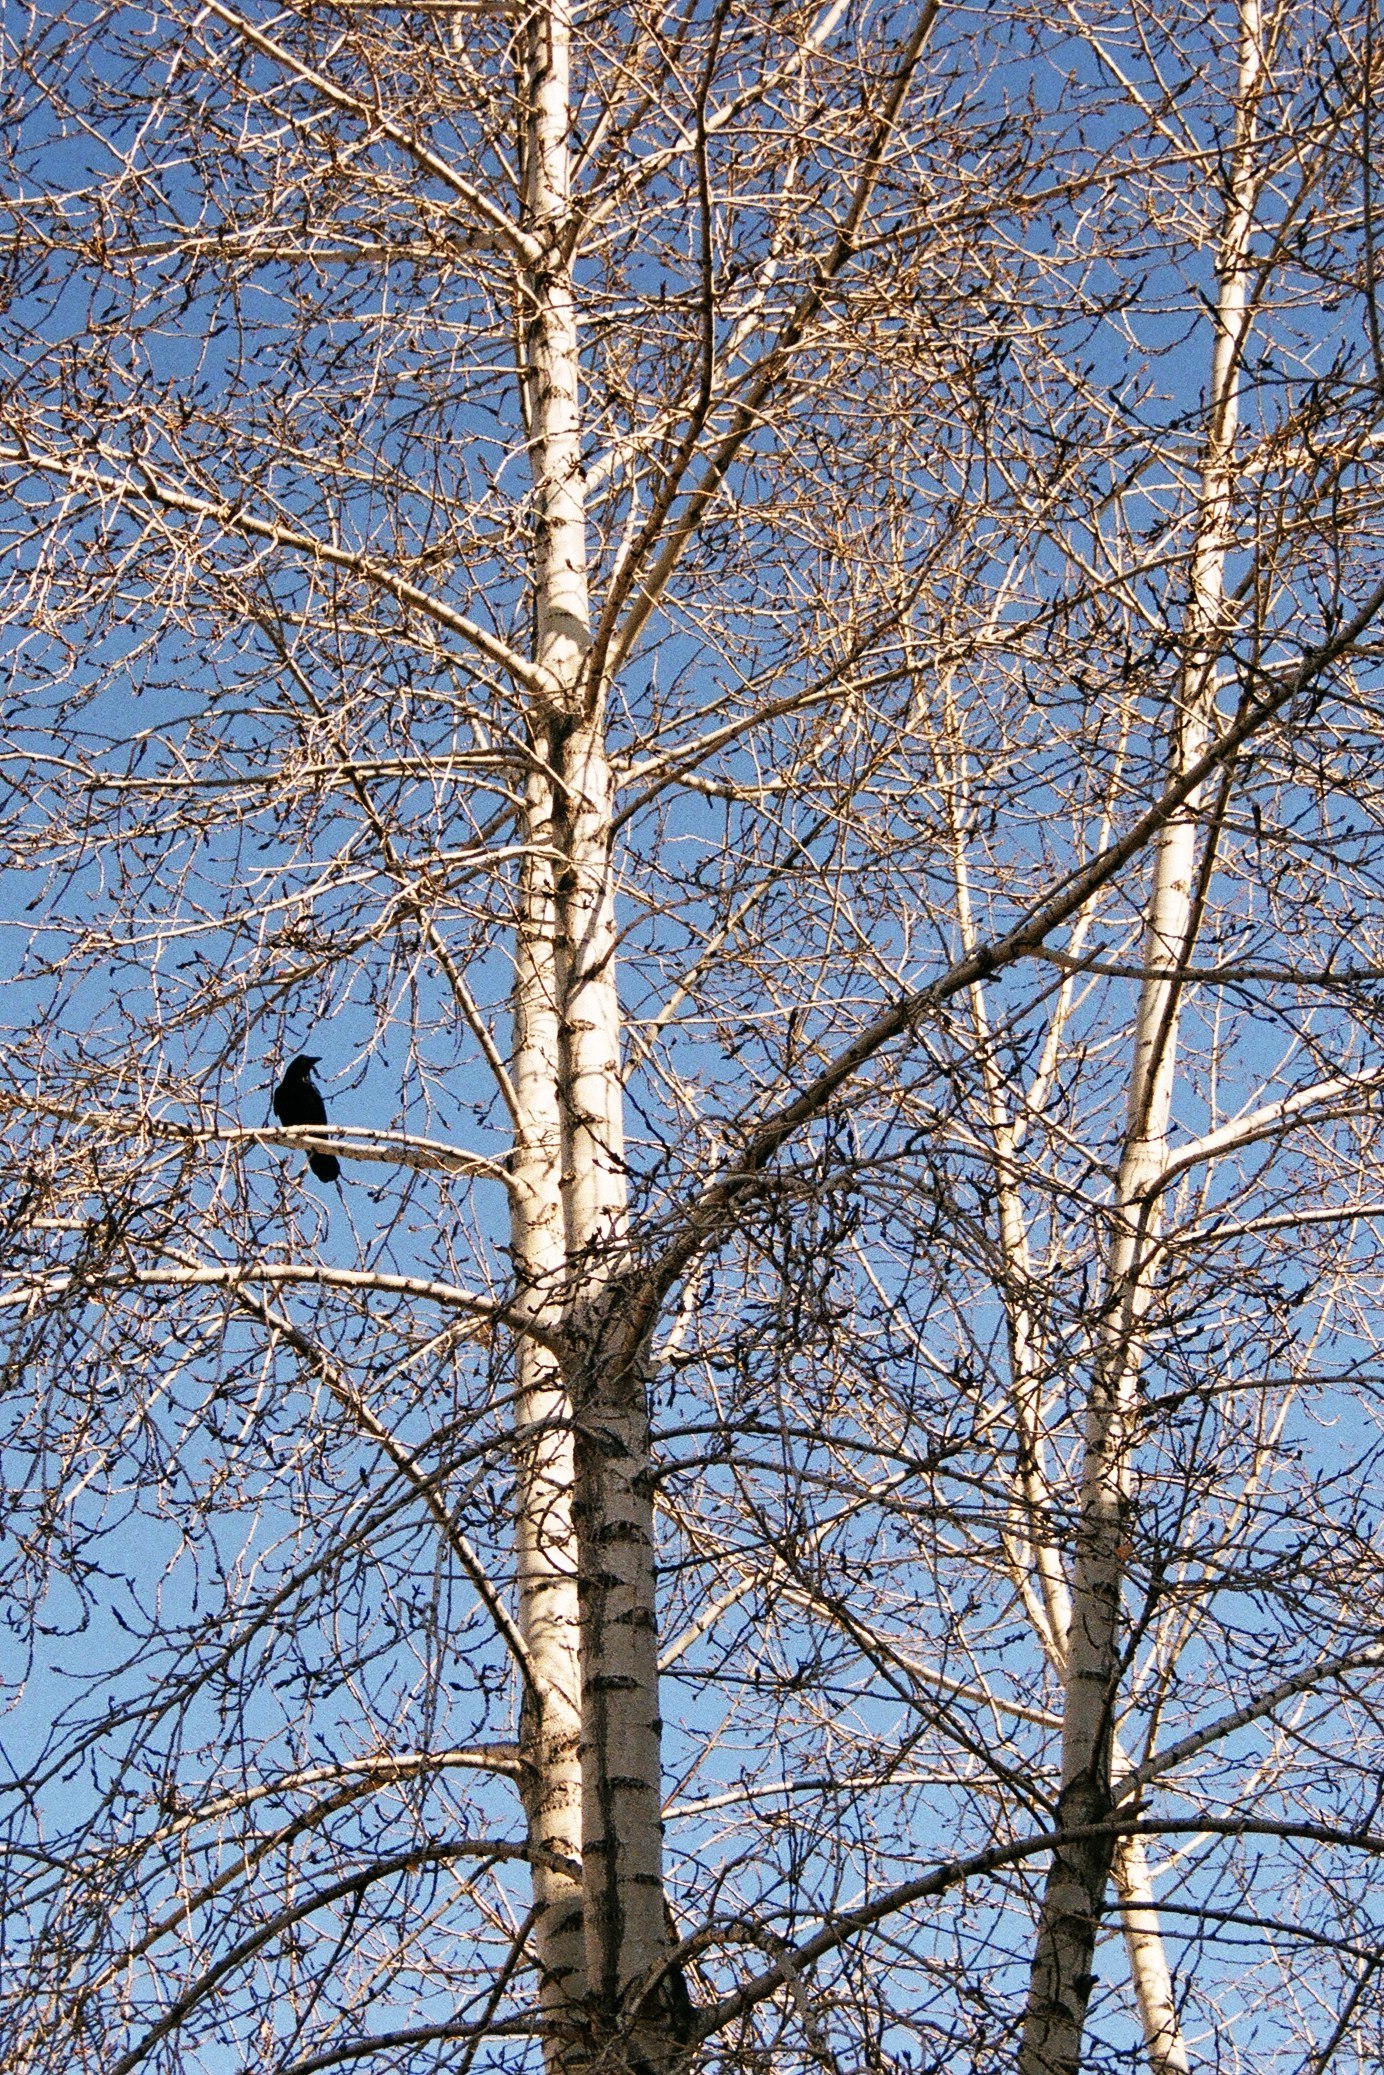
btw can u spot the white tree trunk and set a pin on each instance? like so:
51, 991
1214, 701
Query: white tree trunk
598, 1491
1062, 1977
1148, 1961
547, 1563
549, 1612
552, 368
621, 1773
1034, 1557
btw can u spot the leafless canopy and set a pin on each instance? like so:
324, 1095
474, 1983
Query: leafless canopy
761, 622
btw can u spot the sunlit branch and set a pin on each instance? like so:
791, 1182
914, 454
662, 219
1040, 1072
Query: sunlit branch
526, 250
141, 488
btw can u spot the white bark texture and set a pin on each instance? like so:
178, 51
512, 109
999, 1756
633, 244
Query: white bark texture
621, 1772
595, 1487
1148, 1961
547, 1562
546, 1566
1030, 1545
1074, 1899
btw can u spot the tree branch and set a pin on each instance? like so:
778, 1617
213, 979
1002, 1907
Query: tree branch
234, 519
526, 250
710, 1212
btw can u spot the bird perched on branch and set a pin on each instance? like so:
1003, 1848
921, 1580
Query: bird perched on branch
297, 1101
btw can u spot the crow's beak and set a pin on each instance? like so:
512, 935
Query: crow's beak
312, 1059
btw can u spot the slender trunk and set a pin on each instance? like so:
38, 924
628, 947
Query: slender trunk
549, 1611
1029, 1547
552, 365
1035, 1554
1148, 1962
1034, 1557
547, 1556
598, 1499
626, 1920
1074, 1898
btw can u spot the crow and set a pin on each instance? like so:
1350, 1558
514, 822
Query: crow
296, 1101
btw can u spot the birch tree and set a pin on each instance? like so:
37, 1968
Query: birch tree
760, 623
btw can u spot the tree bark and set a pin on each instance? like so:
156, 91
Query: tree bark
549, 1613
625, 1914
547, 1562
1148, 1962
591, 1482
1062, 1974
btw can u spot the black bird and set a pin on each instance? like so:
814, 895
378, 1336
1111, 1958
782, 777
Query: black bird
296, 1101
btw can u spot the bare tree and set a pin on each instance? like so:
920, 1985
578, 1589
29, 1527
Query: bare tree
760, 623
